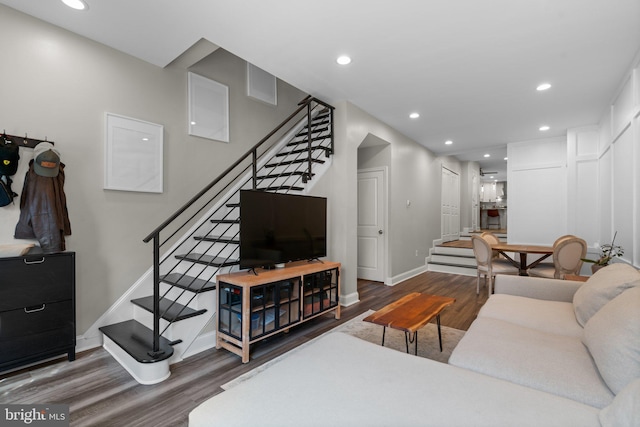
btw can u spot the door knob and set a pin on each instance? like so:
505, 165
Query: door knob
380, 232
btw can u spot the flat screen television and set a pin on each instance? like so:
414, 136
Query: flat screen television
276, 228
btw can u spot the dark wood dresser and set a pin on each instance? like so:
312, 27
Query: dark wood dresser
37, 308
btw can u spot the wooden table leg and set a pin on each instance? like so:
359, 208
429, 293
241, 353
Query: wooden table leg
523, 264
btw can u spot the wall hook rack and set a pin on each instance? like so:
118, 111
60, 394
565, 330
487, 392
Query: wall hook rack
24, 141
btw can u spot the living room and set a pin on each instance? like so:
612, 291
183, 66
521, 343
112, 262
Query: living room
62, 85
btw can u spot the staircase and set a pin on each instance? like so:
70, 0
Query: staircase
174, 304
455, 260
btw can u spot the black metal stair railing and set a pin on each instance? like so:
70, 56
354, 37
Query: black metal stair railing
252, 170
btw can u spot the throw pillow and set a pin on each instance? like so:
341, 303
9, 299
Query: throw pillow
625, 409
606, 284
612, 336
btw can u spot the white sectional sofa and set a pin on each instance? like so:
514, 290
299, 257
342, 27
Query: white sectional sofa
575, 340
542, 352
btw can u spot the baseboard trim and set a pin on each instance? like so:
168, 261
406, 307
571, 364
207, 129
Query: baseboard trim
202, 342
84, 343
350, 299
392, 281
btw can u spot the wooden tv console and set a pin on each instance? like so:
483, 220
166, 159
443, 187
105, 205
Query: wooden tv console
252, 307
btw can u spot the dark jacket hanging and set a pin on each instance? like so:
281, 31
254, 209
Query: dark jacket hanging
43, 211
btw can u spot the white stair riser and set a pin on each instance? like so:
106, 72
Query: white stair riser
223, 250
177, 330
436, 258
446, 250
208, 273
144, 373
185, 330
204, 300
463, 271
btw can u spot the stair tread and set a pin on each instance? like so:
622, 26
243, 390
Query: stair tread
280, 175
226, 221
315, 128
221, 239
137, 340
301, 150
291, 162
171, 311
294, 142
208, 259
189, 283
282, 187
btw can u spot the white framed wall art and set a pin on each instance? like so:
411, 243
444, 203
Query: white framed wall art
208, 108
133, 155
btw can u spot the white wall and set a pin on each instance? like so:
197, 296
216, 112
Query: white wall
587, 184
59, 85
537, 179
619, 161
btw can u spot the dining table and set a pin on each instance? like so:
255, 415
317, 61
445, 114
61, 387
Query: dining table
523, 250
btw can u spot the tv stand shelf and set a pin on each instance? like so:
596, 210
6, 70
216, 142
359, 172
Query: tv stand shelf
252, 307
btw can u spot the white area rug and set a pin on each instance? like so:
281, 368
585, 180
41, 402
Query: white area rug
427, 343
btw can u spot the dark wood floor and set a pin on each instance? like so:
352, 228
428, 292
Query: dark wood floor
101, 393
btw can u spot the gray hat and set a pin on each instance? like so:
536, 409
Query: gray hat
46, 160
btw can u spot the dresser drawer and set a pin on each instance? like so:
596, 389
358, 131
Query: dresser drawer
35, 319
36, 279
32, 330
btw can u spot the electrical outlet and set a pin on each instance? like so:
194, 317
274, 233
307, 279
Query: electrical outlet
416, 252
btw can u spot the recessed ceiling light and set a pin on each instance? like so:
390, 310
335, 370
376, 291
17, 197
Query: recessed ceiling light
449, 142
543, 86
343, 60
76, 4
487, 155
414, 115
506, 158
492, 177
544, 128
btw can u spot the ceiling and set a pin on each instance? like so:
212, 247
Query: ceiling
469, 68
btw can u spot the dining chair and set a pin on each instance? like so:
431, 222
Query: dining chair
493, 240
561, 238
567, 259
488, 266
547, 262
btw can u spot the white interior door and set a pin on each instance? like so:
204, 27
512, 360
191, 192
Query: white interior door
371, 224
450, 205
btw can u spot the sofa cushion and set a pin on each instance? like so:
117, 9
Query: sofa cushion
625, 409
341, 380
602, 287
549, 362
613, 338
547, 316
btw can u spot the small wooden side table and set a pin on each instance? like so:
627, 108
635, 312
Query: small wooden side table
409, 314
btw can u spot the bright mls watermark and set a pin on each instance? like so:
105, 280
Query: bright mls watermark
34, 415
